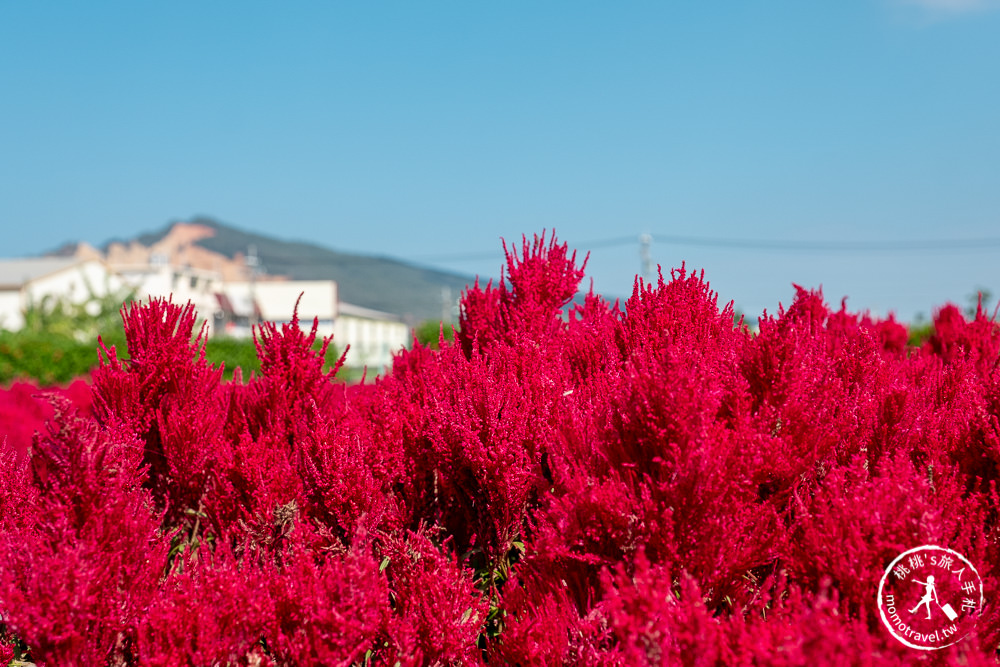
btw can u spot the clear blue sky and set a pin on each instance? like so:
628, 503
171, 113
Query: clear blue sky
428, 130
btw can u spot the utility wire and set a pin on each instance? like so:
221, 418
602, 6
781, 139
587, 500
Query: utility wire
898, 245
498, 253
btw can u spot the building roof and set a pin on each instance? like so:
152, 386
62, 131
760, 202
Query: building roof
351, 310
276, 300
15, 273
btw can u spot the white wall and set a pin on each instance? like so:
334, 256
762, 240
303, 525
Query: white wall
318, 300
11, 310
76, 283
373, 340
276, 300
181, 284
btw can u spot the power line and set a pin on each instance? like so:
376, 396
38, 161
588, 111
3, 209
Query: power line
897, 245
460, 257
498, 253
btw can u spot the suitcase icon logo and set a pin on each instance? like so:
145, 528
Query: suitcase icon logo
930, 597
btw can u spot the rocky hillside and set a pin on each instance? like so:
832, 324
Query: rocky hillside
412, 292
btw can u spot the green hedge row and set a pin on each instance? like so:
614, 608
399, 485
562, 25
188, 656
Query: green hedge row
54, 359
47, 359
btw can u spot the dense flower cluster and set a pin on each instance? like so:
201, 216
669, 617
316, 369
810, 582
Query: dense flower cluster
639, 484
25, 408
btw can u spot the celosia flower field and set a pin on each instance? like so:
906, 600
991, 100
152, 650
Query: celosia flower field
644, 484
22, 414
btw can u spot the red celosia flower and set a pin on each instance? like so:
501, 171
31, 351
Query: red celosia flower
592, 484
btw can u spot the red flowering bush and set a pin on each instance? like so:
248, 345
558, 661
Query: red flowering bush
24, 410
637, 483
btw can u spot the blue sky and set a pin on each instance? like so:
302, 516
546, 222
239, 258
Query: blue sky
427, 131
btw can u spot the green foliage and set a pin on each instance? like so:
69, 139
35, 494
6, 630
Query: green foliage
46, 359
233, 352
52, 358
428, 333
80, 321
921, 329
333, 354
59, 342
57, 359
242, 353
59, 339
981, 298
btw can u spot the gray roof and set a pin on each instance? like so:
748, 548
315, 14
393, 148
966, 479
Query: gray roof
17, 272
367, 313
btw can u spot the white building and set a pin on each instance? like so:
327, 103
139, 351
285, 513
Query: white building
35, 281
245, 303
181, 283
228, 308
374, 336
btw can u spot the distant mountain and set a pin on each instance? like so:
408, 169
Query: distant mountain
412, 292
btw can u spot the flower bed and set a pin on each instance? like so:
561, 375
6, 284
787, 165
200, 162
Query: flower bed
647, 484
